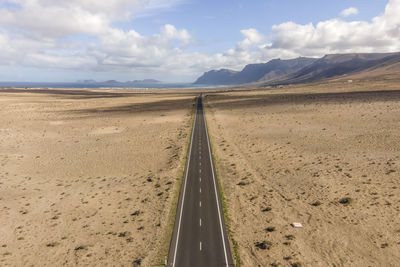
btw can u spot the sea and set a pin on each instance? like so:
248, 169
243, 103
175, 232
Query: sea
53, 85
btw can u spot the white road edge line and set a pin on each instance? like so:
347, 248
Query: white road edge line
216, 193
184, 187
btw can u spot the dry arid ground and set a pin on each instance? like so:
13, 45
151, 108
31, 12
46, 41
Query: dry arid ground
88, 178
327, 156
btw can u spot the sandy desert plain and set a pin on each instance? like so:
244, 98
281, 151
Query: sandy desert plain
324, 155
90, 178
87, 178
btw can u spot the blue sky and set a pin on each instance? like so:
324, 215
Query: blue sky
217, 24
177, 40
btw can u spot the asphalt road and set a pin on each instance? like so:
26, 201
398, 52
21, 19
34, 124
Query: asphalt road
199, 237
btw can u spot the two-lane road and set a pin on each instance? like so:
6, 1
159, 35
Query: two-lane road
199, 237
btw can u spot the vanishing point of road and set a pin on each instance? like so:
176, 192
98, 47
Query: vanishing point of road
199, 238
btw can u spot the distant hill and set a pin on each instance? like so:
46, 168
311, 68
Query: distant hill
301, 70
255, 72
115, 83
336, 65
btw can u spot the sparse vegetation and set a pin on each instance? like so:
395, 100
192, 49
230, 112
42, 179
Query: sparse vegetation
345, 201
290, 237
270, 229
316, 203
137, 262
80, 248
136, 213
263, 245
390, 171
123, 234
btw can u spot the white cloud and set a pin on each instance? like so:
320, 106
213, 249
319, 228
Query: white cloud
382, 34
46, 33
289, 39
169, 32
252, 37
57, 18
43, 33
349, 12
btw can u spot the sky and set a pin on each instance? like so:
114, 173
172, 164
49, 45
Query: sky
178, 40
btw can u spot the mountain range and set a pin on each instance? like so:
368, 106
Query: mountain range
301, 70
